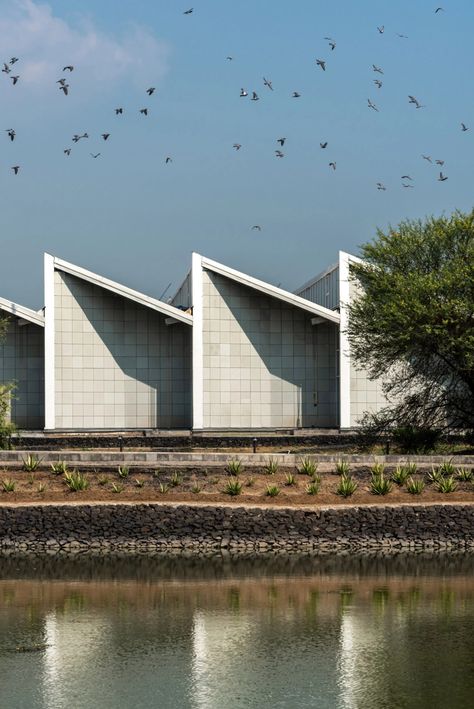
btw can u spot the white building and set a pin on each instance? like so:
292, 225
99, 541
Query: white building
228, 352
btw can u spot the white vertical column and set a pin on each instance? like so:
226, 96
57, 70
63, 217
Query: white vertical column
198, 361
49, 344
344, 346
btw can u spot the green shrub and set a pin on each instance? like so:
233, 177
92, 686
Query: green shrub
139, 483
347, 486
163, 488
290, 479
6, 395
307, 467
464, 474
123, 471
271, 468
8, 485
415, 486
59, 468
434, 476
380, 485
31, 463
342, 467
312, 488
176, 479
400, 475
272, 491
446, 484
76, 481
377, 469
447, 468
233, 487
196, 488
412, 439
117, 488
234, 467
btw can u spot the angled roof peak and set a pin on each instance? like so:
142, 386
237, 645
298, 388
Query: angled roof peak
123, 291
270, 290
20, 311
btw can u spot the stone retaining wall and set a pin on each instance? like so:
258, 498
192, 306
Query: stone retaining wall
149, 527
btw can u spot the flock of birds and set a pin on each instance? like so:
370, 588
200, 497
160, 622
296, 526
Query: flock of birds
64, 87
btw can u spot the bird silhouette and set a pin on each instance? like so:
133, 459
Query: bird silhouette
321, 63
381, 29
144, 111
427, 158
323, 145
14, 79
381, 186
243, 93
105, 136
168, 159
64, 88
13, 60
189, 12
255, 96
464, 127
237, 146
151, 90
11, 133
67, 151
442, 178
6, 69
279, 154
333, 165
378, 83
69, 68
268, 83
15, 169
296, 94
372, 105
257, 227
281, 141
94, 155
118, 111
377, 69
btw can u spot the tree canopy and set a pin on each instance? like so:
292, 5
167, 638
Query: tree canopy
413, 321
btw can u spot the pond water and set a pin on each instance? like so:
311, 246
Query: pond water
317, 632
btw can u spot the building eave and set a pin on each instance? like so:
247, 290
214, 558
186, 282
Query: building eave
270, 290
20, 311
123, 291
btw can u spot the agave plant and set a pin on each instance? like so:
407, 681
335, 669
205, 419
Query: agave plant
347, 486
123, 471
233, 487
400, 475
380, 485
290, 480
342, 467
234, 467
8, 485
415, 486
272, 491
312, 488
76, 481
271, 467
448, 484
31, 463
307, 466
59, 468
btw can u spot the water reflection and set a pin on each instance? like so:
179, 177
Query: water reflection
347, 632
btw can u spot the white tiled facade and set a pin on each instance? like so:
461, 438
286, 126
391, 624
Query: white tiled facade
264, 364
117, 364
22, 362
228, 352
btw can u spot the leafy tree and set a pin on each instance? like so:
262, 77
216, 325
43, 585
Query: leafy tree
413, 321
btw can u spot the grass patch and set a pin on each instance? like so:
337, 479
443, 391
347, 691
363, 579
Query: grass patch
234, 467
233, 487
272, 491
446, 485
8, 485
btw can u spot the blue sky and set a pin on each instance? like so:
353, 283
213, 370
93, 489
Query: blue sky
129, 216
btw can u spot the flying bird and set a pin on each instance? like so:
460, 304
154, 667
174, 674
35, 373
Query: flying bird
381, 29
151, 90
268, 83
378, 83
257, 227
279, 154
323, 145
255, 96
372, 105
118, 111
237, 146
15, 169
412, 99
296, 94
332, 45
144, 111
14, 79
439, 9
321, 63
333, 165
464, 127
406, 177
94, 155
61, 81
427, 157
11, 133
67, 151
281, 141
442, 178
69, 67
105, 136
402, 36
188, 12
168, 159
243, 93
6, 69
64, 88
229, 58
377, 69
439, 162
13, 60
381, 186
76, 138
405, 185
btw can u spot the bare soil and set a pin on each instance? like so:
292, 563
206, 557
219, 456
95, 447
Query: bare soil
198, 485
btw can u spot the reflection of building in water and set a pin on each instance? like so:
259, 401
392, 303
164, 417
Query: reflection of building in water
240, 659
